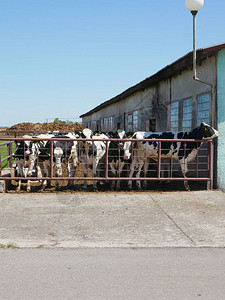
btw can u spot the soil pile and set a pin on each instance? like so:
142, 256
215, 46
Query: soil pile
43, 127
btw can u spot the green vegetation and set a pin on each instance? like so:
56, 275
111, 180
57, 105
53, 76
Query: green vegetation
63, 122
10, 245
4, 153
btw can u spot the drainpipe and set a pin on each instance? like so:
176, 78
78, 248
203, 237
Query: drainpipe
194, 13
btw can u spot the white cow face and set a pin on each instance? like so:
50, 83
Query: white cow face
87, 134
127, 147
58, 153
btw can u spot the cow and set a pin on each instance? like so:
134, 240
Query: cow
116, 155
39, 156
22, 160
183, 152
91, 152
68, 150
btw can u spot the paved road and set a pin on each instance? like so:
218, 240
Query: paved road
152, 273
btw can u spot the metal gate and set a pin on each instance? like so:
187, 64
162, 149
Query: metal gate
158, 169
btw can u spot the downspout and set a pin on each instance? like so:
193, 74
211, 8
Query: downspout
210, 184
194, 13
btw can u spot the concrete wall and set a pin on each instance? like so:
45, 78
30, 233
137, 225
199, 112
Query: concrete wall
221, 118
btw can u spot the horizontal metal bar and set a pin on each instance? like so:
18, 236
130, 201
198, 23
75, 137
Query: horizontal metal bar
6, 143
108, 178
104, 140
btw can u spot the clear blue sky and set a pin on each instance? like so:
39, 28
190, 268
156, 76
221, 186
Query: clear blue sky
61, 58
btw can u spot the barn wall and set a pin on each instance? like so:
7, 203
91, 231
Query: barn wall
154, 102
221, 118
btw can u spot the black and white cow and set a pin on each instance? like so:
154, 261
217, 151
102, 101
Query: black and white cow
91, 152
66, 150
116, 155
183, 152
22, 160
39, 156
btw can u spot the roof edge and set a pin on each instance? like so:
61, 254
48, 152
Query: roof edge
168, 71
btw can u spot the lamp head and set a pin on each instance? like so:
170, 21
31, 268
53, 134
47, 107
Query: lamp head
194, 5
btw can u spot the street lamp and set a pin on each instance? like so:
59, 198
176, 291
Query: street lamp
194, 6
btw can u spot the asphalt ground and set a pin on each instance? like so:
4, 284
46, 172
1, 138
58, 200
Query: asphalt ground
113, 219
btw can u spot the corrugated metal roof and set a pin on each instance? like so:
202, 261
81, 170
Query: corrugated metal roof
170, 70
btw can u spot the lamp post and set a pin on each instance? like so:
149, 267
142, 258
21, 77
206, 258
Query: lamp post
194, 6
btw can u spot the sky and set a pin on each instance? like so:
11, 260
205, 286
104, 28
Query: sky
61, 58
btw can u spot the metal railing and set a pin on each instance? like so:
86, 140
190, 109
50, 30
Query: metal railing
200, 169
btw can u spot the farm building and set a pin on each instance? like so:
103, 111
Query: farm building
172, 100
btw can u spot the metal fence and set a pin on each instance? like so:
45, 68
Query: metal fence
158, 169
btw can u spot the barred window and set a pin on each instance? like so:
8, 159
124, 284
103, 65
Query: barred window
135, 120
174, 115
187, 114
203, 109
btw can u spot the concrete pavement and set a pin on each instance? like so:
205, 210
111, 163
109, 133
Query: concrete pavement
131, 274
124, 219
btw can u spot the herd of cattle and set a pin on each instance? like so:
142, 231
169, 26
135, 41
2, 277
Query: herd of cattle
132, 151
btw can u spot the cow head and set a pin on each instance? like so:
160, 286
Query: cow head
127, 147
208, 132
86, 134
58, 153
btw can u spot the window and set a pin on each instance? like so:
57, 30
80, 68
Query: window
150, 125
132, 121
111, 122
203, 109
187, 114
174, 115
135, 120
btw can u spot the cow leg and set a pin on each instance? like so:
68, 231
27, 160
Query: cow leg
28, 185
74, 164
184, 169
95, 173
85, 175
113, 170
26, 174
19, 163
146, 164
46, 173
19, 186
70, 182
74, 158
120, 169
131, 173
140, 165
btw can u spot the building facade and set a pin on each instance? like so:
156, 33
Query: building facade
172, 100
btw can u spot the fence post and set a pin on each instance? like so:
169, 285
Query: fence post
51, 159
159, 159
9, 146
106, 159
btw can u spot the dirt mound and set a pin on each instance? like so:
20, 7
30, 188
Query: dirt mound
43, 127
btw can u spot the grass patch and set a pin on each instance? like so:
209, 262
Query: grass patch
7, 246
4, 153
